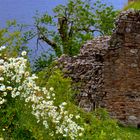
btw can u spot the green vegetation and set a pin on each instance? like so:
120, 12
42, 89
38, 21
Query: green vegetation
12, 39
134, 5
133, 133
44, 107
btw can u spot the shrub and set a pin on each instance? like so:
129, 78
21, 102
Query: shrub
16, 85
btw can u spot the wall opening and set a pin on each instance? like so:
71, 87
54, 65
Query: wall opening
138, 125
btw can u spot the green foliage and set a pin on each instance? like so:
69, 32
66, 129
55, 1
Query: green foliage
11, 38
45, 74
62, 87
99, 126
45, 60
134, 5
73, 24
10, 124
53, 77
19, 124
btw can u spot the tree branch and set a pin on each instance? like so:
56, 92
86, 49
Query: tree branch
41, 36
54, 46
49, 42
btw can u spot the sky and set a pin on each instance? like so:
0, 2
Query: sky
24, 10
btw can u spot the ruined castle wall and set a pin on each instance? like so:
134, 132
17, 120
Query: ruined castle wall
122, 70
108, 70
86, 70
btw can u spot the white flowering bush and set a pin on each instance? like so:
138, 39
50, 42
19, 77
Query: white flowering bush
16, 83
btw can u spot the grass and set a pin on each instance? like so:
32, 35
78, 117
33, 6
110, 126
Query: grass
134, 133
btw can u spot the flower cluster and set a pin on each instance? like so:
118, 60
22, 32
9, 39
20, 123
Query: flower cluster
18, 82
44, 109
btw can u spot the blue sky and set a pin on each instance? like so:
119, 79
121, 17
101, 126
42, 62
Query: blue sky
24, 10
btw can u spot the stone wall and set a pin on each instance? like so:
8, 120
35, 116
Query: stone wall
86, 69
108, 70
122, 70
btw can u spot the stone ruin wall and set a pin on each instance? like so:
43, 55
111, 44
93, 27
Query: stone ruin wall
86, 69
122, 70
108, 70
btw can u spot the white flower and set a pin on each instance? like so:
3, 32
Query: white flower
77, 116
9, 88
48, 97
64, 103
17, 80
2, 68
34, 76
27, 100
2, 101
45, 124
37, 88
13, 95
2, 48
51, 134
1, 79
41, 100
19, 88
64, 135
53, 95
66, 130
4, 93
2, 88
23, 53
51, 89
71, 116
30, 85
26, 74
17, 93
1, 61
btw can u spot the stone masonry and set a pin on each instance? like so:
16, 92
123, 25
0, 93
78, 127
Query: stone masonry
122, 70
86, 69
107, 71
